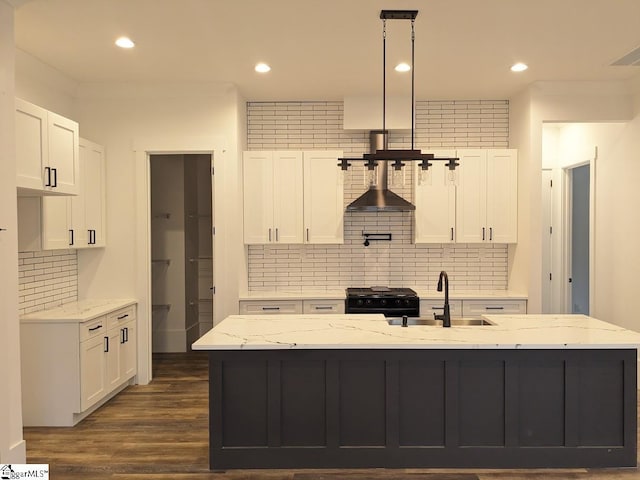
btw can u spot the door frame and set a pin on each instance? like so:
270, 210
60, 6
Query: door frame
143, 149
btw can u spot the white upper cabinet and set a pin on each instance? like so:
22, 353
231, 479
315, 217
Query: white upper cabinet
292, 197
89, 208
47, 152
273, 207
487, 196
323, 197
502, 195
435, 201
59, 222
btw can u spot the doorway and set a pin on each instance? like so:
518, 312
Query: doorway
181, 249
579, 196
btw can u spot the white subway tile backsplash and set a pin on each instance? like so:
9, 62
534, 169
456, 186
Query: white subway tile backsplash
46, 279
318, 125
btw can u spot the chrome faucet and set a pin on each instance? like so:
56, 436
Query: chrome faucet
446, 315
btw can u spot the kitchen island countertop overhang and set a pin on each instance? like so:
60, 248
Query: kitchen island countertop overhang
371, 331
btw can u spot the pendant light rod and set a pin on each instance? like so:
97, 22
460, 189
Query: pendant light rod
413, 76
384, 75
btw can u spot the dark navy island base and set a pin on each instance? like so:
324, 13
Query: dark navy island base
393, 408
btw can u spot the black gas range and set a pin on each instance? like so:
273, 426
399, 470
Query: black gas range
392, 302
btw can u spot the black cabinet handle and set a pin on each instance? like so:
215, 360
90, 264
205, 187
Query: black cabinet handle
106, 344
47, 172
490, 234
123, 316
452, 234
277, 239
122, 340
270, 308
269, 234
71, 240
95, 328
126, 334
55, 177
92, 237
324, 307
483, 234
494, 308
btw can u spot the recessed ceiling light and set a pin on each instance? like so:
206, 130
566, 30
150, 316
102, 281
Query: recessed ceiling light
125, 42
519, 67
403, 67
262, 68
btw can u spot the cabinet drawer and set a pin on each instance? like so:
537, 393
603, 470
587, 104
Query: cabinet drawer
93, 328
121, 316
323, 306
270, 307
493, 307
429, 307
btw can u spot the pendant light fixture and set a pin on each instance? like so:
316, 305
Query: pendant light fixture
398, 157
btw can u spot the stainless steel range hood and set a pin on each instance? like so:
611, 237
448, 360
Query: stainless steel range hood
379, 198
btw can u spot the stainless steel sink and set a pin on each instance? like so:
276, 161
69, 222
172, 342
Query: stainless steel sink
455, 322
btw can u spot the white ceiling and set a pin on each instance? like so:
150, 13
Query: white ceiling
326, 49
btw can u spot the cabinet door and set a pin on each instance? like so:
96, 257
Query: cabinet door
258, 197
114, 358
91, 206
494, 307
64, 156
471, 201
287, 197
257, 307
128, 349
57, 230
502, 195
323, 198
31, 145
435, 201
92, 371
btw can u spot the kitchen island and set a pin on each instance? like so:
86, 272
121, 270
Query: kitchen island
314, 391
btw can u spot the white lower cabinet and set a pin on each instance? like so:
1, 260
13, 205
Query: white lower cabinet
493, 307
265, 307
429, 307
69, 368
323, 306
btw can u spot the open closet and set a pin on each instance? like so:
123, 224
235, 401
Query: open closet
181, 250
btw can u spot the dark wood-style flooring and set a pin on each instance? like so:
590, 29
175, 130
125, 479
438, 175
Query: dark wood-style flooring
160, 431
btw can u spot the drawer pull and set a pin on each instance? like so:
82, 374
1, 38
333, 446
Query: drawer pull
123, 316
270, 308
437, 308
95, 328
323, 307
106, 344
494, 308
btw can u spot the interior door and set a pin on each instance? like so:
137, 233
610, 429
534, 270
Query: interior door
580, 201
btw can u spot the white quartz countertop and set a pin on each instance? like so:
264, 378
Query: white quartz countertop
346, 331
80, 311
422, 293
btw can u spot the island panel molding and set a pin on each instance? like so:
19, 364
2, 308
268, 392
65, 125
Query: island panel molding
423, 408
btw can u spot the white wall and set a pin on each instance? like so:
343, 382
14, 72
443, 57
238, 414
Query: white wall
617, 263
12, 445
557, 102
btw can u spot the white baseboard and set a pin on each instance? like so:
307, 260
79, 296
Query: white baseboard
16, 454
